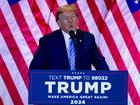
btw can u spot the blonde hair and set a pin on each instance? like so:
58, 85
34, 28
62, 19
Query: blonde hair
65, 8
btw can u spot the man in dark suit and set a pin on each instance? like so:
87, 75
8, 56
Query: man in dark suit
53, 50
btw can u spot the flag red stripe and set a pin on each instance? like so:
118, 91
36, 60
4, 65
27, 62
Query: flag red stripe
1, 103
132, 91
126, 36
16, 54
10, 84
24, 27
44, 27
82, 24
106, 34
0, 69
109, 3
53, 6
136, 16
120, 64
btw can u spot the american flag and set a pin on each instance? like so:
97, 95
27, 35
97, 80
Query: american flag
114, 23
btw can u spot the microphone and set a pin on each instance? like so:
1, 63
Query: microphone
73, 36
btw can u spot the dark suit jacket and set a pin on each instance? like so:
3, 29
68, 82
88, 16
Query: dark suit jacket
52, 54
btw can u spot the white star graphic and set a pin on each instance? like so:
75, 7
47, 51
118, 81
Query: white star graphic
136, 1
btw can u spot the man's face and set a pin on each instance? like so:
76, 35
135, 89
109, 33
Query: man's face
68, 21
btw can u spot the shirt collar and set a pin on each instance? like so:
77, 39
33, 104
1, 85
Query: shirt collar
66, 35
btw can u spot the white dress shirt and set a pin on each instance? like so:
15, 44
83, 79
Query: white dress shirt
66, 38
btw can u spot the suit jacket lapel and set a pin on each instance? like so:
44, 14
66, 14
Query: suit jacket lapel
62, 49
79, 42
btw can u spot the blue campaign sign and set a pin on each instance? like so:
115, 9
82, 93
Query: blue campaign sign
63, 87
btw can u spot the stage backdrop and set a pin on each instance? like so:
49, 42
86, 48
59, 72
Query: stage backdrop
114, 23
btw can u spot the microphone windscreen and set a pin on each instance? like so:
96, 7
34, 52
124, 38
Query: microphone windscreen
73, 36
71, 33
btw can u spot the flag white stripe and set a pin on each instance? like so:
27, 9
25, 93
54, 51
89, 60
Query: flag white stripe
89, 19
62, 2
6, 98
108, 18
13, 70
47, 14
129, 100
125, 54
31, 22
102, 8
16, 32
129, 20
105, 51
104, 48
98, 36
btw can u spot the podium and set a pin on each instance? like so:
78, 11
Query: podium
79, 87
